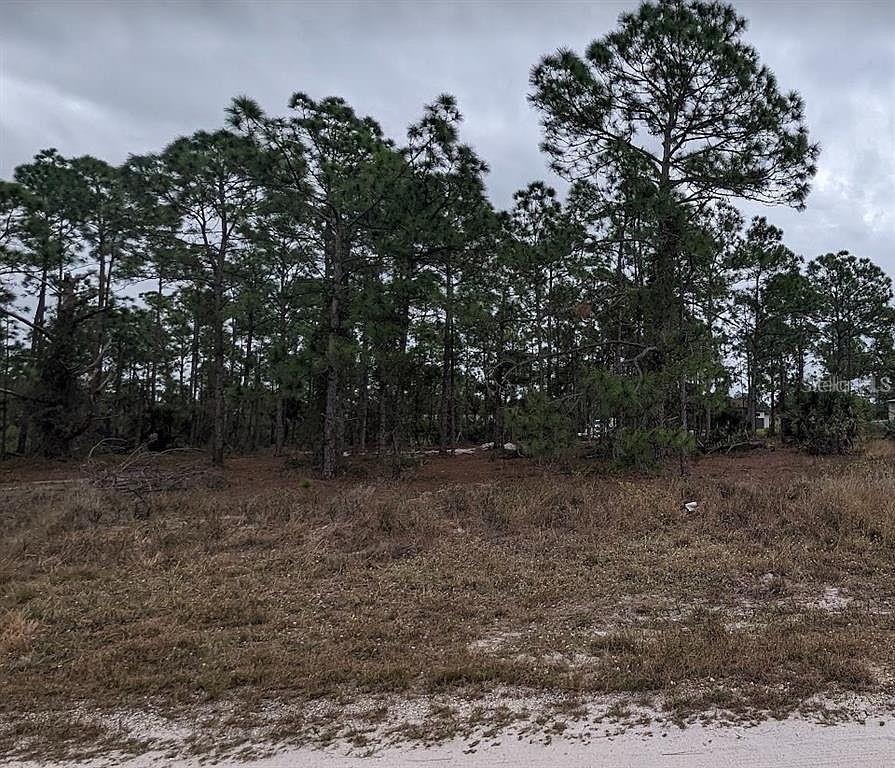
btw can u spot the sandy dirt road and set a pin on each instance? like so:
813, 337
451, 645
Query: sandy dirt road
789, 744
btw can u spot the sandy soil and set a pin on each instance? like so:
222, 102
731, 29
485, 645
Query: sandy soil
788, 744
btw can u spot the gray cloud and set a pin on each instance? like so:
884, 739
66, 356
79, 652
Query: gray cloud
112, 79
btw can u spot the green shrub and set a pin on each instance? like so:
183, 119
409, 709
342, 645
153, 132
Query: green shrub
645, 448
542, 427
827, 422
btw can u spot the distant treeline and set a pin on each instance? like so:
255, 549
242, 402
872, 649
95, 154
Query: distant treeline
307, 282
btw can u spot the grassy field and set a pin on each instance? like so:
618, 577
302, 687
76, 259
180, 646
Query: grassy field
277, 603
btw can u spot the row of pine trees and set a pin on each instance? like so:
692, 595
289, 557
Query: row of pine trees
303, 282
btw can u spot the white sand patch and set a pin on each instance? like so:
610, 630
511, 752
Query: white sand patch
832, 600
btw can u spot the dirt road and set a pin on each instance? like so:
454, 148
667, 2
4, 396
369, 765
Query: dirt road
789, 744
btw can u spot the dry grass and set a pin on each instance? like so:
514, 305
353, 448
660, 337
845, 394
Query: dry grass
766, 595
16, 633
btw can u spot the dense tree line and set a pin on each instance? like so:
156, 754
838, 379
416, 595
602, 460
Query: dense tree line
305, 282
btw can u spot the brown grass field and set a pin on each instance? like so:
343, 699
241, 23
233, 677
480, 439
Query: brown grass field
263, 590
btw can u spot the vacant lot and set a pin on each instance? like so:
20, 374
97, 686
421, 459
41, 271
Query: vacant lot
487, 592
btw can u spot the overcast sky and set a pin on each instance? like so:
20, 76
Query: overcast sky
116, 78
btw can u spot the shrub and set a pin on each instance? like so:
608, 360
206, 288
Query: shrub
645, 448
826, 422
542, 427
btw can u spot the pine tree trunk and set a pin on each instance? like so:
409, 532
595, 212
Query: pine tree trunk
36, 347
4, 423
217, 443
363, 398
332, 416
40, 311
194, 380
751, 395
280, 430
498, 427
446, 407
382, 437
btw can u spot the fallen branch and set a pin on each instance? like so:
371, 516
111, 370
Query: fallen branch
140, 473
727, 448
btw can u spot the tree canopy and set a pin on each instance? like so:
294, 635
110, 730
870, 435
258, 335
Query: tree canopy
303, 282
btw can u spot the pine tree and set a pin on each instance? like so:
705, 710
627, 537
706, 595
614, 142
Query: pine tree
854, 307
675, 92
210, 183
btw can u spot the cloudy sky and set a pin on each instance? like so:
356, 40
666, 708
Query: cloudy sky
115, 78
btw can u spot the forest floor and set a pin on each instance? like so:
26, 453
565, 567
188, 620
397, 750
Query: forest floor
167, 608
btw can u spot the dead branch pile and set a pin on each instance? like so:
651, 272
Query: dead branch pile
143, 472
